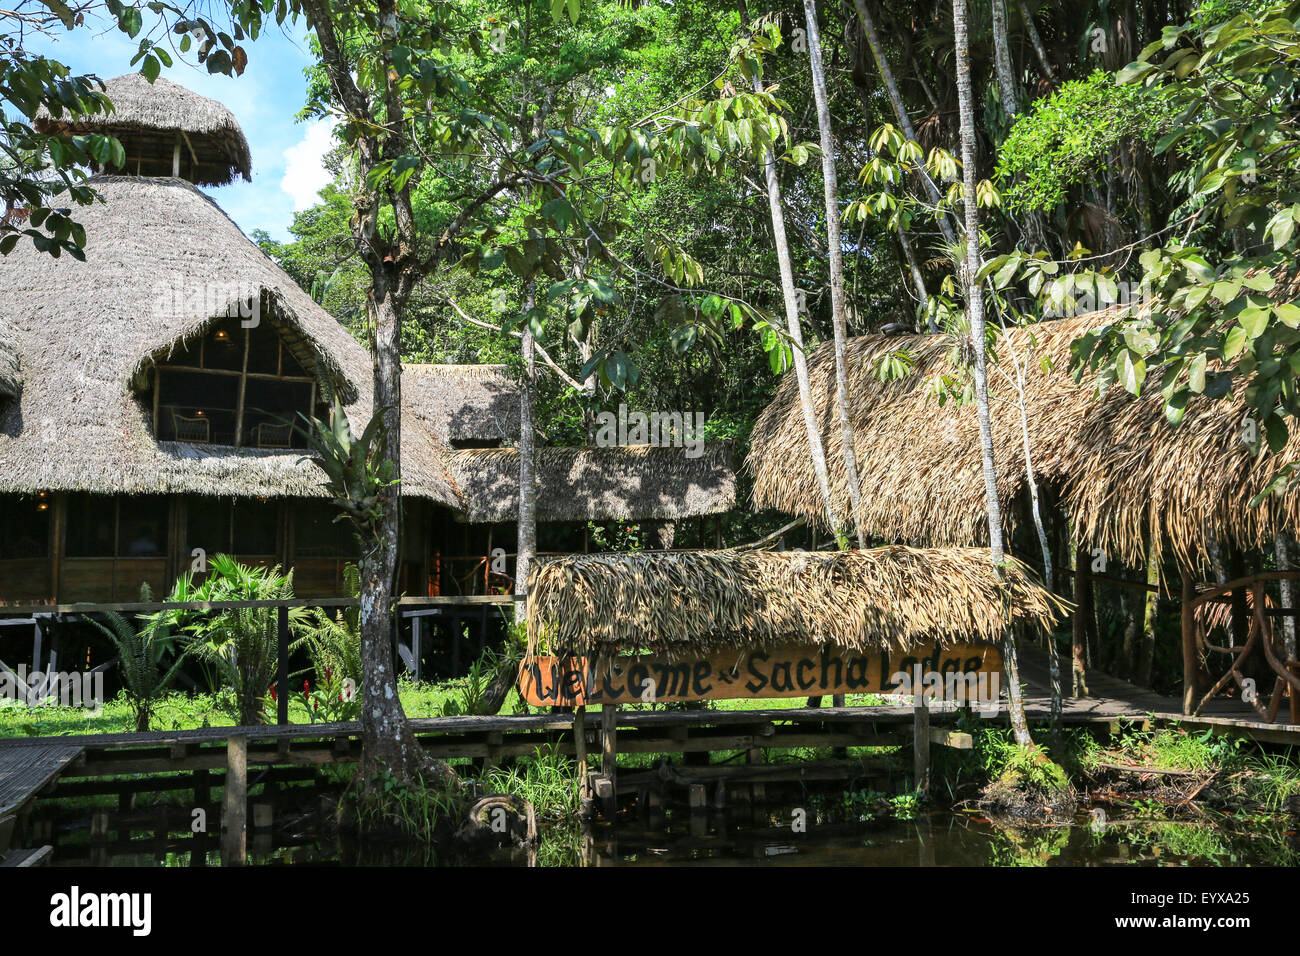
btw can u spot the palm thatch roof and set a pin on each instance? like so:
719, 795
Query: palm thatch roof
639, 482
893, 598
11, 378
1120, 470
83, 332
465, 403
149, 118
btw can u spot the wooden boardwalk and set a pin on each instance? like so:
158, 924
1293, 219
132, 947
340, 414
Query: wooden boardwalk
1113, 698
26, 771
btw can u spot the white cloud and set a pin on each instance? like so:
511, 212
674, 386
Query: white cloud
304, 170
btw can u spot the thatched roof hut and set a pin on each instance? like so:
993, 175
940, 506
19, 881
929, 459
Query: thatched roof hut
465, 404
1119, 469
634, 483
85, 331
894, 598
165, 130
164, 266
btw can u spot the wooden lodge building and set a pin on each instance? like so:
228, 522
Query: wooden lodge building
142, 393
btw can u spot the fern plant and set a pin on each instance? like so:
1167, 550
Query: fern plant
240, 645
141, 652
334, 644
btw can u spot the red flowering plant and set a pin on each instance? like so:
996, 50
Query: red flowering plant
334, 698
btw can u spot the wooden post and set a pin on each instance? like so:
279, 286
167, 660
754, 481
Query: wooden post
609, 756
921, 744
580, 753
234, 811
415, 646
1083, 611
282, 673
1190, 669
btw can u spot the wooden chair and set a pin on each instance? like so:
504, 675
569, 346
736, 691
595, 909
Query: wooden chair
267, 435
191, 429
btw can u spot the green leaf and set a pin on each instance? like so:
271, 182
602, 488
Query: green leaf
1132, 371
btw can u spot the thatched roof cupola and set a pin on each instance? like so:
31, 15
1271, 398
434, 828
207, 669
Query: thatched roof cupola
166, 130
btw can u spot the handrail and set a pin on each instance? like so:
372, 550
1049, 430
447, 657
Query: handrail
91, 607
1224, 589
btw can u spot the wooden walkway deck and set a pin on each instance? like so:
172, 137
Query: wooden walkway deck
1113, 698
26, 771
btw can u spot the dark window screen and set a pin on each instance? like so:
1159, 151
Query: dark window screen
92, 523
141, 526
255, 527
24, 527
208, 525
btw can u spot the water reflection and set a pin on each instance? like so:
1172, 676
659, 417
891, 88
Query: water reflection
297, 832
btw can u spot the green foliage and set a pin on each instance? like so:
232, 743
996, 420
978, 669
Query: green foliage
548, 780
241, 645
334, 643
358, 471
1072, 134
141, 654
41, 170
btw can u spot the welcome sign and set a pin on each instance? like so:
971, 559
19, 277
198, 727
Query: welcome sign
791, 671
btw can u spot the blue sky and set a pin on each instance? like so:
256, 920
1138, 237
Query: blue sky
287, 169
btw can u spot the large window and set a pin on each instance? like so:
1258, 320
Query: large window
233, 386
246, 527
25, 526
317, 535
132, 526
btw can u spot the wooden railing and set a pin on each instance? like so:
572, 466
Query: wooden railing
1250, 595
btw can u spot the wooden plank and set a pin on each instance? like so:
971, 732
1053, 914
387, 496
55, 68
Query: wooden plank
25, 773
234, 809
793, 671
921, 747
951, 738
35, 857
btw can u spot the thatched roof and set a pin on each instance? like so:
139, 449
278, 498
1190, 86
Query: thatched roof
465, 403
895, 597
82, 331
1120, 469
148, 118
11, 378
640, 482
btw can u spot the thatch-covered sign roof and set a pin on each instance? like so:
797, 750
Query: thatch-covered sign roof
893, 598
152, 119
465, 403
640, 482
1119, 468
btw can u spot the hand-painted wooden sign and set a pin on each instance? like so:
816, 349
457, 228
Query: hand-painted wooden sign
953, 672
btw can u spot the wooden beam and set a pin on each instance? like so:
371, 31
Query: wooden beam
234, 810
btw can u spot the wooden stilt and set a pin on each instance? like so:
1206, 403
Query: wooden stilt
609, 757
1190, 668
234, 811
921, 745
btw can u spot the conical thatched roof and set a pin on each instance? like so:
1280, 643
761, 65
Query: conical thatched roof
82, 331
149, 117
640, 482
896, 598
1120, 469
465, 403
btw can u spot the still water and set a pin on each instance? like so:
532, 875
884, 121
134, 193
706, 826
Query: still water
776, 836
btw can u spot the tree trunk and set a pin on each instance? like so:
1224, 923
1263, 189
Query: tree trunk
1036, 40
1282, 550
835, 255
796, 334
387, 742
526, 549
918, 279
1149, 609
896, 101
1002, 60
975, 307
